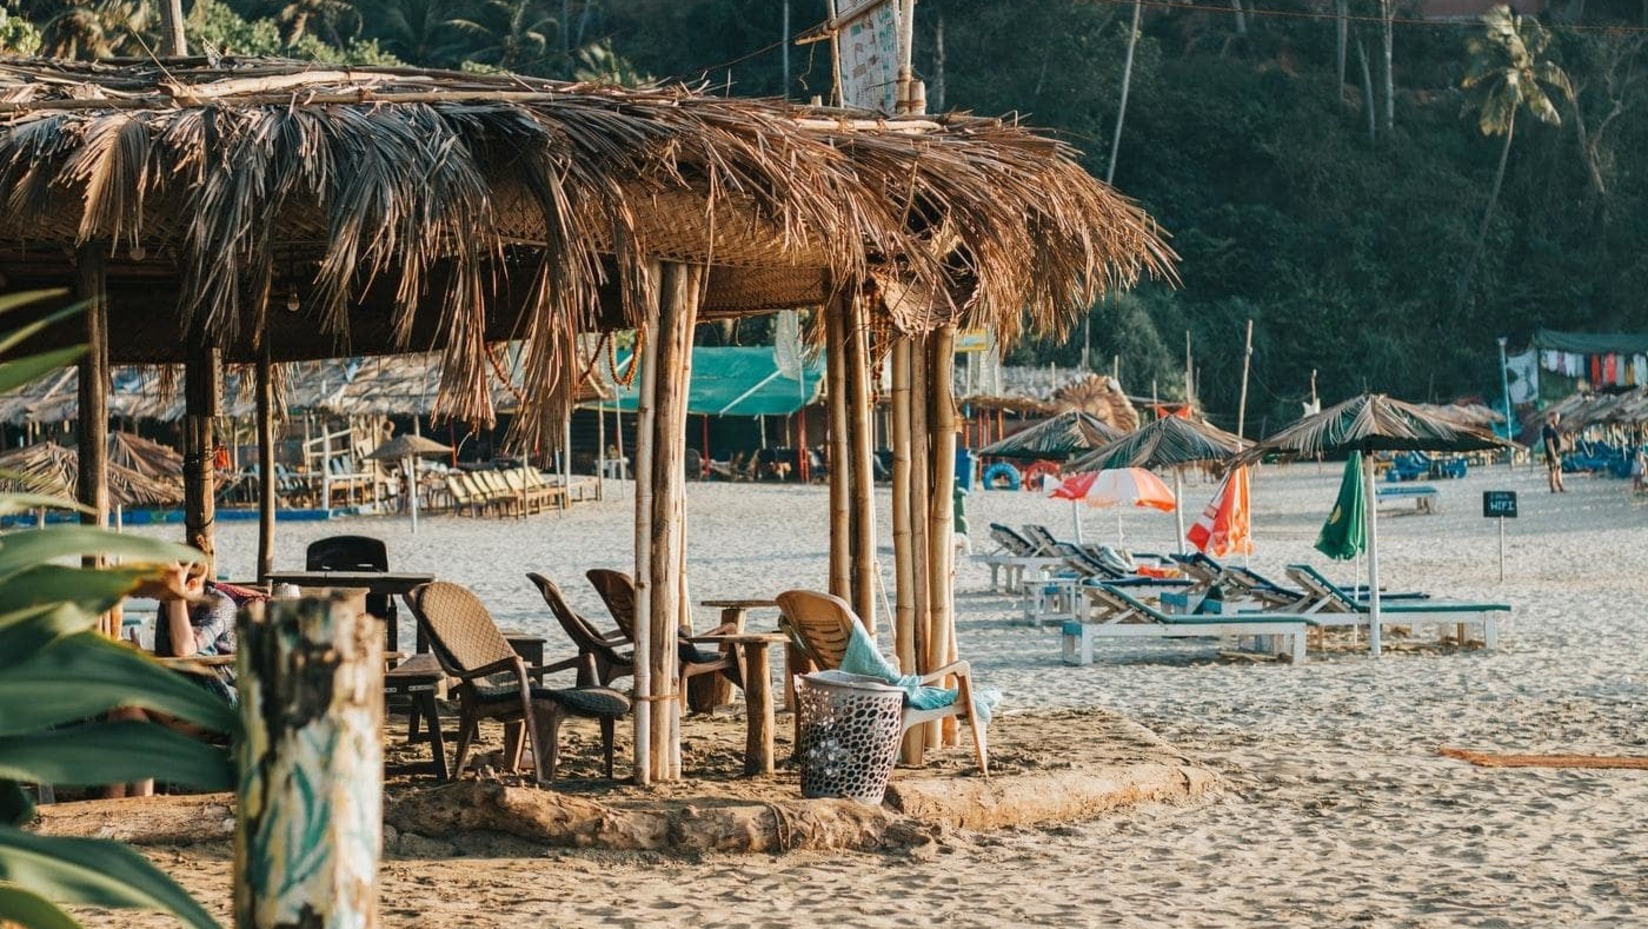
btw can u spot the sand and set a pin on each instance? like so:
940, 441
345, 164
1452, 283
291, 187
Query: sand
1340, 811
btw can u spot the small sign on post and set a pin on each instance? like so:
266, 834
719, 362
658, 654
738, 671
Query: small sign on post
1500, 505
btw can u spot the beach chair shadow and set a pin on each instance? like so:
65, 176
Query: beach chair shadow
496, 683
819, 626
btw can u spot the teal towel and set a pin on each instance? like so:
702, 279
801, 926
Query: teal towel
862, 657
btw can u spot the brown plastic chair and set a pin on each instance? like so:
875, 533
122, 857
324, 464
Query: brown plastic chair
496, 683
819, 625
599, 660
617, 591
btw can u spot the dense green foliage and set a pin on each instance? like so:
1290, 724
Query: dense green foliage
1345, 241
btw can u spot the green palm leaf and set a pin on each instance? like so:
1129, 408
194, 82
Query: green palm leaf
14, 374
105, 674
93, 589
26, 909
114, 753
18, 503
92, 872
20, 551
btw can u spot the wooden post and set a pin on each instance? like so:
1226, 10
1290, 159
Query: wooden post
92, 488
1247, 362
172, 42
202, 385
941, 426
841, 533
915, 740
266, 464
678, 297
861, 454
904, 616
309, 818
644, 415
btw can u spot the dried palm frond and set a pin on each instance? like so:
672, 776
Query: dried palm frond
52, 469
1166, 443
490, 201
1370, 423
1063, 436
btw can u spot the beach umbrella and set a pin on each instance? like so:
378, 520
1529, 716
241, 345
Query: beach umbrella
1372, 423
1060, 437
407, 449
1169, 442
1225, 526
1119, 488
1344, 535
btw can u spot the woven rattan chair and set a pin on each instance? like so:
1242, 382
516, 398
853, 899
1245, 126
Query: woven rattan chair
496, 683
819, 626
617, 591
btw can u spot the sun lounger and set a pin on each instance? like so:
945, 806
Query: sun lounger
1117, 613
1424, 496
1014, 555
1331, 605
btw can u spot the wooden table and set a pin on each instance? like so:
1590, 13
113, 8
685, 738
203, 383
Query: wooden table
758, 702
388, 583
732, 612
419, 677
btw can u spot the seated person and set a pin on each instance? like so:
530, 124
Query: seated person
200, 622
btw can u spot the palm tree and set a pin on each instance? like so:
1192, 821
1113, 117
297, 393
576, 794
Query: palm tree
415, 31
1508, 66
97, 29
511, 35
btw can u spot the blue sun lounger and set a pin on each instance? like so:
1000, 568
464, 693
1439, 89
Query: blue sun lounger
1331, 605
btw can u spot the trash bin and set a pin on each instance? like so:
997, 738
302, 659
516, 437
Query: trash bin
850, 727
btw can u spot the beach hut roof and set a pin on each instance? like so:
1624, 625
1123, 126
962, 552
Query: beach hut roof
249, 202
1165, 443
49, 468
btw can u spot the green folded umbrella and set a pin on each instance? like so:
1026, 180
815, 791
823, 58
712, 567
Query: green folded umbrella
1346, 531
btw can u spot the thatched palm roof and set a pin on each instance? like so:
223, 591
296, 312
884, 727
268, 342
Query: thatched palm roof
1063, 436
50, 468
1370, 423
403, 210
1168, 442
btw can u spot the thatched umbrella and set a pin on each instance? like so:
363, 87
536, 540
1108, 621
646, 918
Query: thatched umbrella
1372, 423
146, 456
1060, 437
407, 449
1169, 442
50, 468
1102, 396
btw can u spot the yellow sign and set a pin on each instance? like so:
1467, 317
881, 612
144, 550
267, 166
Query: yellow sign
972, 340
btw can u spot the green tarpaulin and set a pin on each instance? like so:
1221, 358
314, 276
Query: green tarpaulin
1591, 343
1346, 530
735, 382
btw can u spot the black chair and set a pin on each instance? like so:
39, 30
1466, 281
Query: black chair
354, 553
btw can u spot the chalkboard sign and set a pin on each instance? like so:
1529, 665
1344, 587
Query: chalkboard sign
1499, 503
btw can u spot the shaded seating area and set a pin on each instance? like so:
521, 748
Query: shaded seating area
820, 626
494, 682
1116, 613
702, 694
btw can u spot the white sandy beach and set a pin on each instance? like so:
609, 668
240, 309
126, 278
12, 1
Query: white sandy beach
1341, 812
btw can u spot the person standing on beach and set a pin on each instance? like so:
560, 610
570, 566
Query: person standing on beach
1551, 437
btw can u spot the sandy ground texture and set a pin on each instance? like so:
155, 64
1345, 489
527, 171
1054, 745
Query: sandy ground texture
1340, 811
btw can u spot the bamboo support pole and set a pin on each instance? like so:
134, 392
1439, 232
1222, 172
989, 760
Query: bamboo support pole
941, 426
309, 816
861, 442
904, 619
202, 385
915, 741
835, 370
677, 314
645, 413
266, 465
92, 486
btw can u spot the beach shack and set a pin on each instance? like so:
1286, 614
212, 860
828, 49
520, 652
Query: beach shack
252, 212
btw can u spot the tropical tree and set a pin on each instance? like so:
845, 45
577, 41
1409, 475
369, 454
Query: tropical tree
98, 29
511, 35
58, 674
416, 31
1509, 69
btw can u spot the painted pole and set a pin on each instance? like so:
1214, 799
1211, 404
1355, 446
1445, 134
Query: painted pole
1505, 385
309, 822
410, 465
